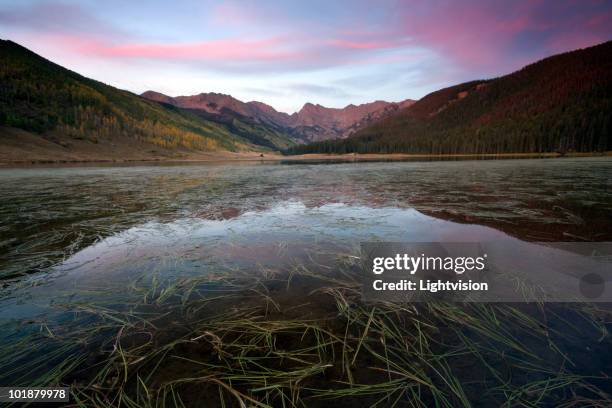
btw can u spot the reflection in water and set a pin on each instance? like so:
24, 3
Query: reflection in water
193, 246
46, 214
127, 239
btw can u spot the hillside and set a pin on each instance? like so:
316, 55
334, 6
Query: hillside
74, 114
560, 104
254, 121
311, 123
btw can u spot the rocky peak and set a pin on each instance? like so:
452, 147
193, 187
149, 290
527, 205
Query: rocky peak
312, 122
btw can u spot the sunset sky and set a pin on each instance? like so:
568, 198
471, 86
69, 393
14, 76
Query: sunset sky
286, 53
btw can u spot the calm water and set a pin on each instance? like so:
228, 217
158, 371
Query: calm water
90, 217
85, 234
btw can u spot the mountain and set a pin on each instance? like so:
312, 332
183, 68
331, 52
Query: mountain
316, 122
560, 104
48, 107
311, 123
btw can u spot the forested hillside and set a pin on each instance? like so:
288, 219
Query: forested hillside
39, 96
560, 104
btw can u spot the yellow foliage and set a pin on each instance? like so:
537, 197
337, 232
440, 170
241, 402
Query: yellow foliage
92, 125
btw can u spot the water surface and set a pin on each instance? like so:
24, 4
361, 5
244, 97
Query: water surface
48, 213
110, 236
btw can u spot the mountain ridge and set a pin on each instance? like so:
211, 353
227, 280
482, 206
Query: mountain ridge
311, 123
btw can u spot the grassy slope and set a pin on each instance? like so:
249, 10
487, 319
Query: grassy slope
561, 103
44, 98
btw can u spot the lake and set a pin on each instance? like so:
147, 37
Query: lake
232, 283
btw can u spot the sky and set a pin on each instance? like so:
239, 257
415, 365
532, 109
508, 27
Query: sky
286, 53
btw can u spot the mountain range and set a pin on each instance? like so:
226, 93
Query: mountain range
49, 113
311, 123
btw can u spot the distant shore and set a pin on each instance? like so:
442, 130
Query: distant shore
22, 149
258, 156
400, 156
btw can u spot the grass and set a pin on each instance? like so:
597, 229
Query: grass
304, 338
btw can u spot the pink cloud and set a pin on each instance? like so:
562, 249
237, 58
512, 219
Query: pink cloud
225, 50
469, 35
500, 35
296, 52
472, 36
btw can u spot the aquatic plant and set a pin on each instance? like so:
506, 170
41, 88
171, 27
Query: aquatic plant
303, 337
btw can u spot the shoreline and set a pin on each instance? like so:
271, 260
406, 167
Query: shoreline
275, 157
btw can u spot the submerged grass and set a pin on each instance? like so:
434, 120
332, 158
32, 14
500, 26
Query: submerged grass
301, 336
304, 338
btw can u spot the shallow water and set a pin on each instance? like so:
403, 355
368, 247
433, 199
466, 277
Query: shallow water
70, 236
88, 221
49, 213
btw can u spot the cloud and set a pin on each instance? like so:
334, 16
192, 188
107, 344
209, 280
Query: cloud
497, 35
244, 39
58, 18
335, 51
269, 49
